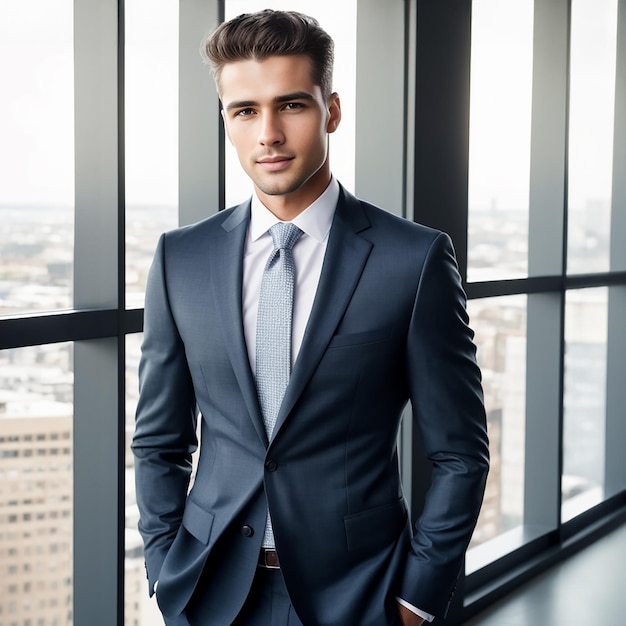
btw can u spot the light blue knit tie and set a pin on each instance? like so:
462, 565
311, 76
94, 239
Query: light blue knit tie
273, 331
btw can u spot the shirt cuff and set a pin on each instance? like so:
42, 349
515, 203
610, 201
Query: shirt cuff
427, 616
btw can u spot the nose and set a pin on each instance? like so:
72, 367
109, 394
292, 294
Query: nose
270, 131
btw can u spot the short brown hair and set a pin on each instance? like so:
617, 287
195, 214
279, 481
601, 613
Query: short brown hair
271, 33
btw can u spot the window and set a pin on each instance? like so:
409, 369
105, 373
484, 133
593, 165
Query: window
500, 327
585, 397
33, 384
151, 124
544, 296
545, 258
36, 156
591, 115
499, 159
140, 610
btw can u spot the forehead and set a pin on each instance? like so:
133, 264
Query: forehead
266, 79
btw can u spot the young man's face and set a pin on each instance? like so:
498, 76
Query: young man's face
278, 121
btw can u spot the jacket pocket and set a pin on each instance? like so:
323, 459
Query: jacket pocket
197, 521
357, 339
375, 528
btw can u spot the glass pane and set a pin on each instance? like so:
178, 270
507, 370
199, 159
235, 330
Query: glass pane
500, 327
591, 118
36, 155
499, 155
36, 478
151, 127
339, 20
586, 316
139, 608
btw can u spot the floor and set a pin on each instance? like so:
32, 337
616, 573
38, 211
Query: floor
587, 589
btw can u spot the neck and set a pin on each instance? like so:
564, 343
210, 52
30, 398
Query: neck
288, 206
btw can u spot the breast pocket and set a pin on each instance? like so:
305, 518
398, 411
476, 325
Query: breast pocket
344, 340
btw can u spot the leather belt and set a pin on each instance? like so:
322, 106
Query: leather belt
268, 559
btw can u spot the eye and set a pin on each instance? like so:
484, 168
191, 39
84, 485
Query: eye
244, 113
293, 106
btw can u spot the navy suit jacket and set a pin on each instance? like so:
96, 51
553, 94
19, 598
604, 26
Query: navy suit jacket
388, 325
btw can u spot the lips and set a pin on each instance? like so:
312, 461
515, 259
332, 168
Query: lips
275, 163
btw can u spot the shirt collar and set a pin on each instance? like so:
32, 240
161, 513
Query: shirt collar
315, 220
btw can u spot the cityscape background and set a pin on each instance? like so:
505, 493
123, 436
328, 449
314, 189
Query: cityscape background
36, 262
36, 409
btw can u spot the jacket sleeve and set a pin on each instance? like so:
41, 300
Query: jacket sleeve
165, 429
447, 401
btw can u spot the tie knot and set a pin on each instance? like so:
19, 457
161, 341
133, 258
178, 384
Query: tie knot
285, 235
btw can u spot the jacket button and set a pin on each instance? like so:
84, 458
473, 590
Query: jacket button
271, 465
247, 531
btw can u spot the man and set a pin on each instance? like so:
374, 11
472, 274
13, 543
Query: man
300, 356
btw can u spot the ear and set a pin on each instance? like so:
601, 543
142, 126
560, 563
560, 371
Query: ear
334, 113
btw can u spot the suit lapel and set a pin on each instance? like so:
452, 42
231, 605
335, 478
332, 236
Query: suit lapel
344, 261
228, 259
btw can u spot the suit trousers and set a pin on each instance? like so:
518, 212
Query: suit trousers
268, 602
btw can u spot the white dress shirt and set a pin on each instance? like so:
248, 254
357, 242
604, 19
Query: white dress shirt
308, 255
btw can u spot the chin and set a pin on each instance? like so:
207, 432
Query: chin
279, 189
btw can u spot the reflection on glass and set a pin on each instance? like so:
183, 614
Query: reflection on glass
500, 327
499, 156
591, 117
339, 20
36, 155
151, 127
36, 478
586, 316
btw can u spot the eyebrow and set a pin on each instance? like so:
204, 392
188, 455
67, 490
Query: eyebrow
288, 97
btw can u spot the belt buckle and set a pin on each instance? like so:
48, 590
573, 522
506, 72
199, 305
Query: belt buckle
268, 559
